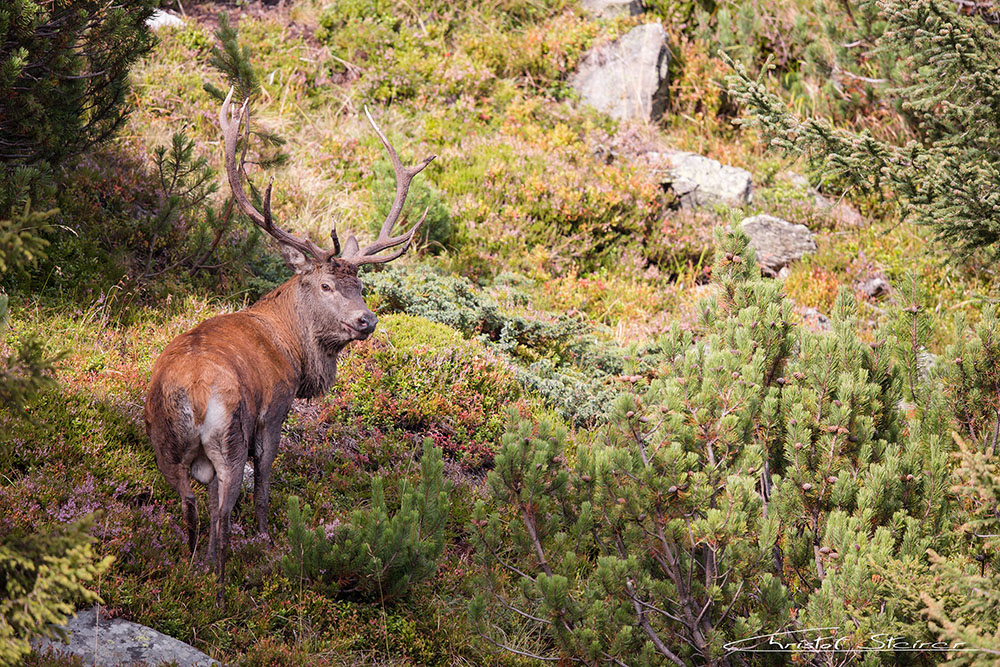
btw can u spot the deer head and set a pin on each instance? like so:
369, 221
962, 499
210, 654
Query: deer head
328, 278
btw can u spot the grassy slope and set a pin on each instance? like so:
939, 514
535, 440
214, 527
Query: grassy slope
485, 90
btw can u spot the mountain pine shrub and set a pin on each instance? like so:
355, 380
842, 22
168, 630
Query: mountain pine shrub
948, 87
377, 554
763, 482
42, 576
64, 74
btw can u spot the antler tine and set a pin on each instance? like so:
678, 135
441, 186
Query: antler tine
230, 123
406, 239
404, 175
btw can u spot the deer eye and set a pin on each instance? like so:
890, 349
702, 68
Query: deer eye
326, 288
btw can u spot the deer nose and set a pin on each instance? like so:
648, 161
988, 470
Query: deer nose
367, 322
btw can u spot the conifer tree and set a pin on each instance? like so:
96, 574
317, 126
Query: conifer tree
752, 488
378, 554
949, 86
41, 578
63, 79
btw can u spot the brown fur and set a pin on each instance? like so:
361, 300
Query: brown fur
221, 391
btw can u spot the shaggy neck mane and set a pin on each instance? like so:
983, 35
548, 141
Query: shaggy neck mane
317, 360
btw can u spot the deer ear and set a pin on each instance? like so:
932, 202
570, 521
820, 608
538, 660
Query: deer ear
296, 260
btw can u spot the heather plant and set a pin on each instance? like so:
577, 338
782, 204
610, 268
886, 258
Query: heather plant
561, 359
759, 479
422, 378
378, 554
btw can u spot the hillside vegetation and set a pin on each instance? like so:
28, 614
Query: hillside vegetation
621, 443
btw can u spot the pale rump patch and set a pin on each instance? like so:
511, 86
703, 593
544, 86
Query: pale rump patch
216, 420
211, 432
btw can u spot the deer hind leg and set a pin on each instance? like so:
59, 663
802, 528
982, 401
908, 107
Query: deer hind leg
226, 446
266, 448
213, 513
191, 519
229, 493
172, 445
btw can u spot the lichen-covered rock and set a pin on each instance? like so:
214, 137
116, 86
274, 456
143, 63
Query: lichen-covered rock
696, 180
110, 643
777, 242
628, 78
604, 9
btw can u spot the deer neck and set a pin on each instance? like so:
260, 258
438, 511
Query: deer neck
317, 363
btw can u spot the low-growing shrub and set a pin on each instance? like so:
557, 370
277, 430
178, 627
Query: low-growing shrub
42, 576
775, 463
378, 554
560, 359
423, 378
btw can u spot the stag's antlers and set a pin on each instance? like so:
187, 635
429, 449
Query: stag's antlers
230, 123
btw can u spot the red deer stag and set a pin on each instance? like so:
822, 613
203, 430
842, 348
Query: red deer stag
220, 392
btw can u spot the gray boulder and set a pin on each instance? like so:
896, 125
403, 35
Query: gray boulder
700, 181
604, 9
119, 642
777, 242
628, 78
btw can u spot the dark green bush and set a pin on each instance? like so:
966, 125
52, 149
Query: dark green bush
376, 555
64, 74
773, 462
42, 576
948, 179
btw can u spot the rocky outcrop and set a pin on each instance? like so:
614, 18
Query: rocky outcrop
604, 9
777, 242
110, 643
628, 78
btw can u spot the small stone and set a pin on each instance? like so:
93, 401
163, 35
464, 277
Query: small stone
163, 19
874, 287
777, 242
603, 9
697, 181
